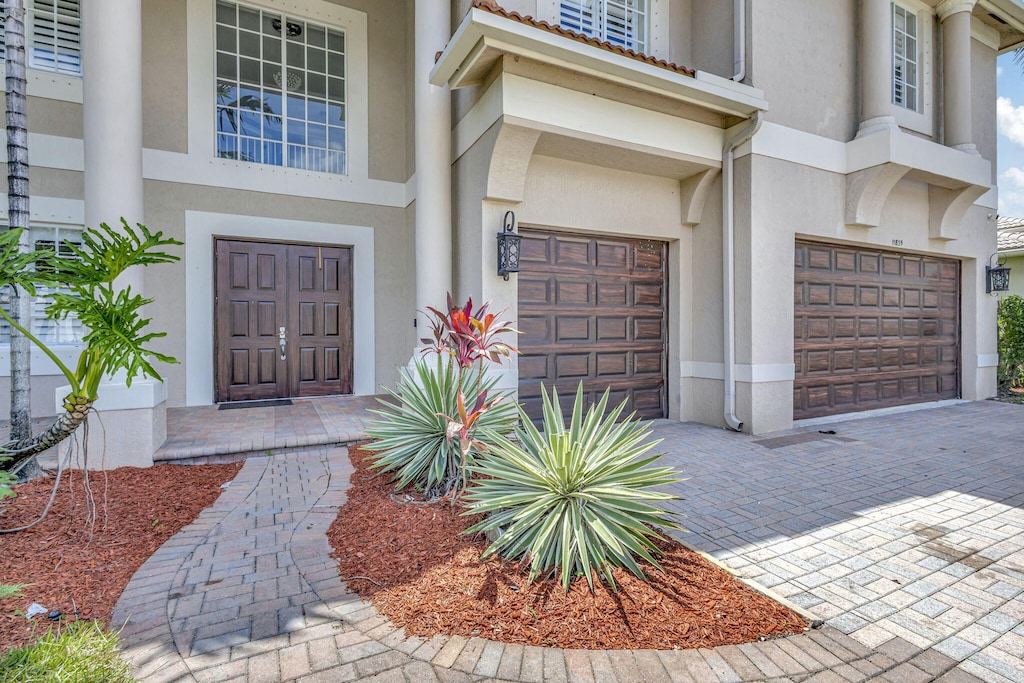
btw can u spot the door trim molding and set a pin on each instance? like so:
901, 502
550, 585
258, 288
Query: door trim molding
200, 228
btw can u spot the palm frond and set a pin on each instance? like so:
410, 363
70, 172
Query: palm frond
105, 253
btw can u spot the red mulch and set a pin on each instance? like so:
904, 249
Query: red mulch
73, 565
431, 580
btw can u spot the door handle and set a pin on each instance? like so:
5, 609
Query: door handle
282, 337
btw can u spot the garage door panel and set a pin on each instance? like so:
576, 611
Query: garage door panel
612, 256
612, 329
535, 291
606, 327
574, 254
572, 329
573, 293
575, 366
534, 330
847, 356
533, 251
649, 295
612, 294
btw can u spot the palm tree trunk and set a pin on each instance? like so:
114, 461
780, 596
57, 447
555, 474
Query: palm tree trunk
18, 213
76, 410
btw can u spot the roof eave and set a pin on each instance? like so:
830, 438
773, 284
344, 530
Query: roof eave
481, 33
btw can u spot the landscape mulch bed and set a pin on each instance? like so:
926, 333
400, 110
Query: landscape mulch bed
78, 566
427, 577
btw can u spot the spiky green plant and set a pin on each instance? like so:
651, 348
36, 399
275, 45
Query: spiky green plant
415, 440
577, 499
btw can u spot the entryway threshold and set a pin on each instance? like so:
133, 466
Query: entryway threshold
206, 434
880, 412
231, 452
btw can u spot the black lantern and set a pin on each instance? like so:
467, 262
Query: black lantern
997, 277
508, 246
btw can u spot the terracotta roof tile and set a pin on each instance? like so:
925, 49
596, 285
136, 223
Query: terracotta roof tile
1010, 233
494, 8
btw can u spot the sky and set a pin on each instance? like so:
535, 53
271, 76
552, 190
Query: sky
1010, 118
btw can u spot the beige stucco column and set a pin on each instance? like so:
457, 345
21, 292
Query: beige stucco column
433, 129
876, 67
133, 419
955, 16
112, 114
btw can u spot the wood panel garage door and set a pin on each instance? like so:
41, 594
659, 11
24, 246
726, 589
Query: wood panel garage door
593, 309
873, 329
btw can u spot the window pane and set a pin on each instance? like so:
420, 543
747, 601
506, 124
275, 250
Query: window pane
226, 39
248, 44
226, 13
272, 55
249, 18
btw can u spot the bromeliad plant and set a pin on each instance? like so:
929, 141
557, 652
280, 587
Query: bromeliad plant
579, 499
117, 338
430, 436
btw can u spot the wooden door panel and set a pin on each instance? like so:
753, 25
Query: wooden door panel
321, 302
262, 287
873, 329
250, 307
592, 309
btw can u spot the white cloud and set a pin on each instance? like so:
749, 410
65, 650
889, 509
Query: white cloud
999, 71
1011, 120
1011, 192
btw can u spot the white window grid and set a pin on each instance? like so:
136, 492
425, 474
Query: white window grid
904, 58
280, 90
53, 36
620, 22
51, 332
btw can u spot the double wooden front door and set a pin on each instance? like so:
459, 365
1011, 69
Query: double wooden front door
283, 320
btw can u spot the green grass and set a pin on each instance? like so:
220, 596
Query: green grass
9, 591
80, 652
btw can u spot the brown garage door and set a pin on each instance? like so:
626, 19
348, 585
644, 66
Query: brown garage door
592, 309
873, 329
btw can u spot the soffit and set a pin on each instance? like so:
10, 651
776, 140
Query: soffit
1007, 17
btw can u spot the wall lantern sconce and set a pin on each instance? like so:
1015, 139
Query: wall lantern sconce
997, 277
508, 246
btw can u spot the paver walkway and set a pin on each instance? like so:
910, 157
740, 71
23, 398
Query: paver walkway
906, 532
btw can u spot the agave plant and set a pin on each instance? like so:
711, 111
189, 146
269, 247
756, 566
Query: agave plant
117, 338
416, 438
578, 500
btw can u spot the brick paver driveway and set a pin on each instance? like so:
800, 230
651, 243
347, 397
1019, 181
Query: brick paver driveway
905, 532
908, 526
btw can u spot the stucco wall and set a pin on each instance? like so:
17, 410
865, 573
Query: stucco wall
393, 284
811, 84
1016, 266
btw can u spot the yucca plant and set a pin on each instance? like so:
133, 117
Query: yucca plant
416, 439
578, 500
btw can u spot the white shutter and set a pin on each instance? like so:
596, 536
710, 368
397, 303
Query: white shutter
620, 22
55, 42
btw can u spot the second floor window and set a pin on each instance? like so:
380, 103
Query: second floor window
620, 22
53, 40
904, 58
281, 90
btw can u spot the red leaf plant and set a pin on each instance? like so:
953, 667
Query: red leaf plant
462, 427
469, 335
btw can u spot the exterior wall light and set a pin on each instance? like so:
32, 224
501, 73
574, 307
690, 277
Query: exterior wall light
508, 246
997, 277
